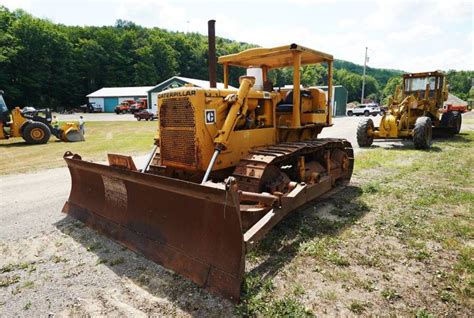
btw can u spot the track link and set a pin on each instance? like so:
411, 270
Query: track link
250, 169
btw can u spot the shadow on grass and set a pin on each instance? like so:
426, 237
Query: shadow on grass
15, 144
23, 143
407, 144
309, 222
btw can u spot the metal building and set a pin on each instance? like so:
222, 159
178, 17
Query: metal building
173, 82
109, 97
339, 99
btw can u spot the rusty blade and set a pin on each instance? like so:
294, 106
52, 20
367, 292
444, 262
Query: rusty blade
191, 229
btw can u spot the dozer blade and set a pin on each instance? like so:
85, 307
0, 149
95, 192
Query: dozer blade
192, 229
72, 135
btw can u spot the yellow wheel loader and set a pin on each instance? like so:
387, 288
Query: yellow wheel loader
34, 126
413, 111
228, 165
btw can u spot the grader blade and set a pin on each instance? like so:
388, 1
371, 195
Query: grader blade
192, 229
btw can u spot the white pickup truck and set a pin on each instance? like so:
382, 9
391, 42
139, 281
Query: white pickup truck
364, 109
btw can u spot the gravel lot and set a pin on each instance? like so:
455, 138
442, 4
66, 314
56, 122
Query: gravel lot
60, 267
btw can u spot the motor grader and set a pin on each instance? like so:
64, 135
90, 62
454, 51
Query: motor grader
34, 126
413, 111
227, 166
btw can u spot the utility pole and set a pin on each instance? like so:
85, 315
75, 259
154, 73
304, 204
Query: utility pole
363, 77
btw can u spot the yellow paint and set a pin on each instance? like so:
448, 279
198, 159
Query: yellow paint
247, 118
406, 106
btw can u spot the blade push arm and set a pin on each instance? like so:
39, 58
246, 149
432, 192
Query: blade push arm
238, 109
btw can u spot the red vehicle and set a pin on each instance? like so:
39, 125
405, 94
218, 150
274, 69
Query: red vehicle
139, 105
146, 114
124, 107
458, 108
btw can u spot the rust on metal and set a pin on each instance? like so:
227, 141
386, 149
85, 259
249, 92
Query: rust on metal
203, 231
178, 133
191, 229
121, 161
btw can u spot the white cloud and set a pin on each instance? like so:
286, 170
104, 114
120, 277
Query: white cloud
401, 34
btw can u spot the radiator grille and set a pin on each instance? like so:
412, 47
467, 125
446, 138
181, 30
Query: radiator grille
177, 125
176, 112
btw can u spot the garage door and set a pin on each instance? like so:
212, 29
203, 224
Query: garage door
109, 104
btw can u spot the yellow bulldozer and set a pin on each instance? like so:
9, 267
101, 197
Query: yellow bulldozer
413, 111
34, 125
227, 166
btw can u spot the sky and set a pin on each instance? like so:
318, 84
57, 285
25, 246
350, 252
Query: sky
412, 36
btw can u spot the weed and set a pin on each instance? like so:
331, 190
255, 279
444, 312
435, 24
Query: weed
287, 307
371, 187
423, 313
9, 280
369, 260
390, 294
101, 260
117, 261
28, 284
364, 284
447, 297
13, 267
357, 307
256, 296
329, 295
466, 260
318, 247
422, 255
7, 268
59, 259
94, 246
337, 259
27, 306
258, 300
298, 290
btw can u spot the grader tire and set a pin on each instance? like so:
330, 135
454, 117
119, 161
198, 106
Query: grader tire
363, 137
457, 121
36, 133
452, 121
422, 133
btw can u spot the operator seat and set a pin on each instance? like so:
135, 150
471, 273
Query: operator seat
286, 105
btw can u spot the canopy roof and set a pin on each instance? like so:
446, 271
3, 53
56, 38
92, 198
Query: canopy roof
423, 74
281, 56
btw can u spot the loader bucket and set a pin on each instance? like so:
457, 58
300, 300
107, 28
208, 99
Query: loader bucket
73, 135
192, 229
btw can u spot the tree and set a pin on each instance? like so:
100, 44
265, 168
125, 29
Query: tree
389, 89
52, 65
460, 83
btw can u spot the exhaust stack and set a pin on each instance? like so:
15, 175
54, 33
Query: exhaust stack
211, 35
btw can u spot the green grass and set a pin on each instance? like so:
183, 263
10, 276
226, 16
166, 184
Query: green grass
358, 307
9, 280
410, 210
132, 138
117, 261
